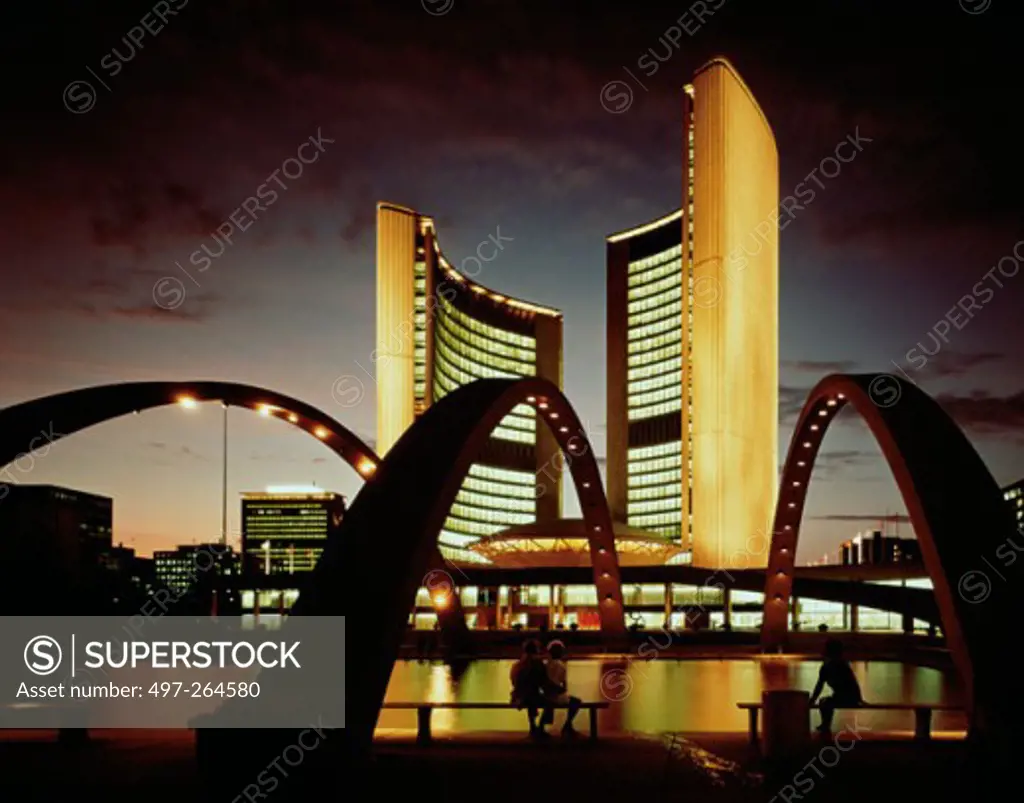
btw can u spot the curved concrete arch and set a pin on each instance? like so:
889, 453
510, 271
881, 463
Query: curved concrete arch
64, 414
34, 424
955, 507
408, 500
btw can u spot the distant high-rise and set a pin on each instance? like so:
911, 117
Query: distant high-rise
877, 549
285, 531
693, 339
46, 529
437, 330
193, 565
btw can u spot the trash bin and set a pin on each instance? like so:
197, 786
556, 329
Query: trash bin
787, 727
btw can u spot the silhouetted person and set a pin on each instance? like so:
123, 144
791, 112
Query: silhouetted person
557, 691
836, 673
529, 679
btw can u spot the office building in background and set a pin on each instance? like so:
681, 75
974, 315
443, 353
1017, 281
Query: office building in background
55, 531
190, 566
285, 529
875, 548
438, 329
692, 334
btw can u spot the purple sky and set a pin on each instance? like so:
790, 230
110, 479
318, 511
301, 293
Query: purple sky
488, 117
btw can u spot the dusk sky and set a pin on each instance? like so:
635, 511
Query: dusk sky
489, 116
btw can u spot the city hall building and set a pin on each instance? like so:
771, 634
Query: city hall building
438, 329
693, 300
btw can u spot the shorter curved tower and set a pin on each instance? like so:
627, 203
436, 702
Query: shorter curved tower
438, 330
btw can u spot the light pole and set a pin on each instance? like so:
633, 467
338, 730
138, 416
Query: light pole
224, 484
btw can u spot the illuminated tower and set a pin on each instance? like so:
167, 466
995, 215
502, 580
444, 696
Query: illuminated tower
693, 339
437, 330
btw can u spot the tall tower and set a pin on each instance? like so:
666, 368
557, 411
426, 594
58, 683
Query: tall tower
437, 329
693, 339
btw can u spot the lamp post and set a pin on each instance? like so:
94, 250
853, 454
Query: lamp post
224, 484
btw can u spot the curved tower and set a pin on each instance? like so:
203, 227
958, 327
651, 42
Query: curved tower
437, 329
693, 339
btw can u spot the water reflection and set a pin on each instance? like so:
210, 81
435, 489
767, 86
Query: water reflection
697, 696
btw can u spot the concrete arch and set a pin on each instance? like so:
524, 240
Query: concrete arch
955, 507
34, 424
409, 499
64, 414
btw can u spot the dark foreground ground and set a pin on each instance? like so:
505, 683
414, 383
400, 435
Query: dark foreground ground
151, 767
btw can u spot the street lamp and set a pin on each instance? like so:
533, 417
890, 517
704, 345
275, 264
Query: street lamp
224, 483
190, 403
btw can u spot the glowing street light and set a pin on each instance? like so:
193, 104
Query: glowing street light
321, 432
366, 467
188, 402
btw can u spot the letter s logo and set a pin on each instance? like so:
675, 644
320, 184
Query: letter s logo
43, 655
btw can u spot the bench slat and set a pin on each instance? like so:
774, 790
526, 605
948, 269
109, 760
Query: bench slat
877, 707
508, 706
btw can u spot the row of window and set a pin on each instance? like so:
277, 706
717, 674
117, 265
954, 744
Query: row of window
495, 502
638, 348
657, 491
640, 265
674, 349
492, 483
676, 307
667, 282
470, 364
522, 359
654, 521
657, 464
505, 518
490, 332
672, 322
506, 490
659, 381
634, 481
656, 369
654, 272
655, 410
654, 505
662, 299
478, 529
639, 400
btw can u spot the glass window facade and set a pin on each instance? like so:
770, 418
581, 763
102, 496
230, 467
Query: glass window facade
462, 332
286, 533
658, 306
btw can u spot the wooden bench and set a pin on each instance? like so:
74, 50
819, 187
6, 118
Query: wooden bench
424, 711
922, 714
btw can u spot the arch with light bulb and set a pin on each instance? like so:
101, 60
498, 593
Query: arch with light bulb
956, 509
405, 507
35, 424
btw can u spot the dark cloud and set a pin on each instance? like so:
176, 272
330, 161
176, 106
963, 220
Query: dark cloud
821, 367
949, 363
984, 413
167, 453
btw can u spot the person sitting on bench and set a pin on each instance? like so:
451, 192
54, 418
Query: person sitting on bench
529, 681
836, 673
557, 692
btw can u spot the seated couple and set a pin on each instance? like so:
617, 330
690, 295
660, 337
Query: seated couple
542, 684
